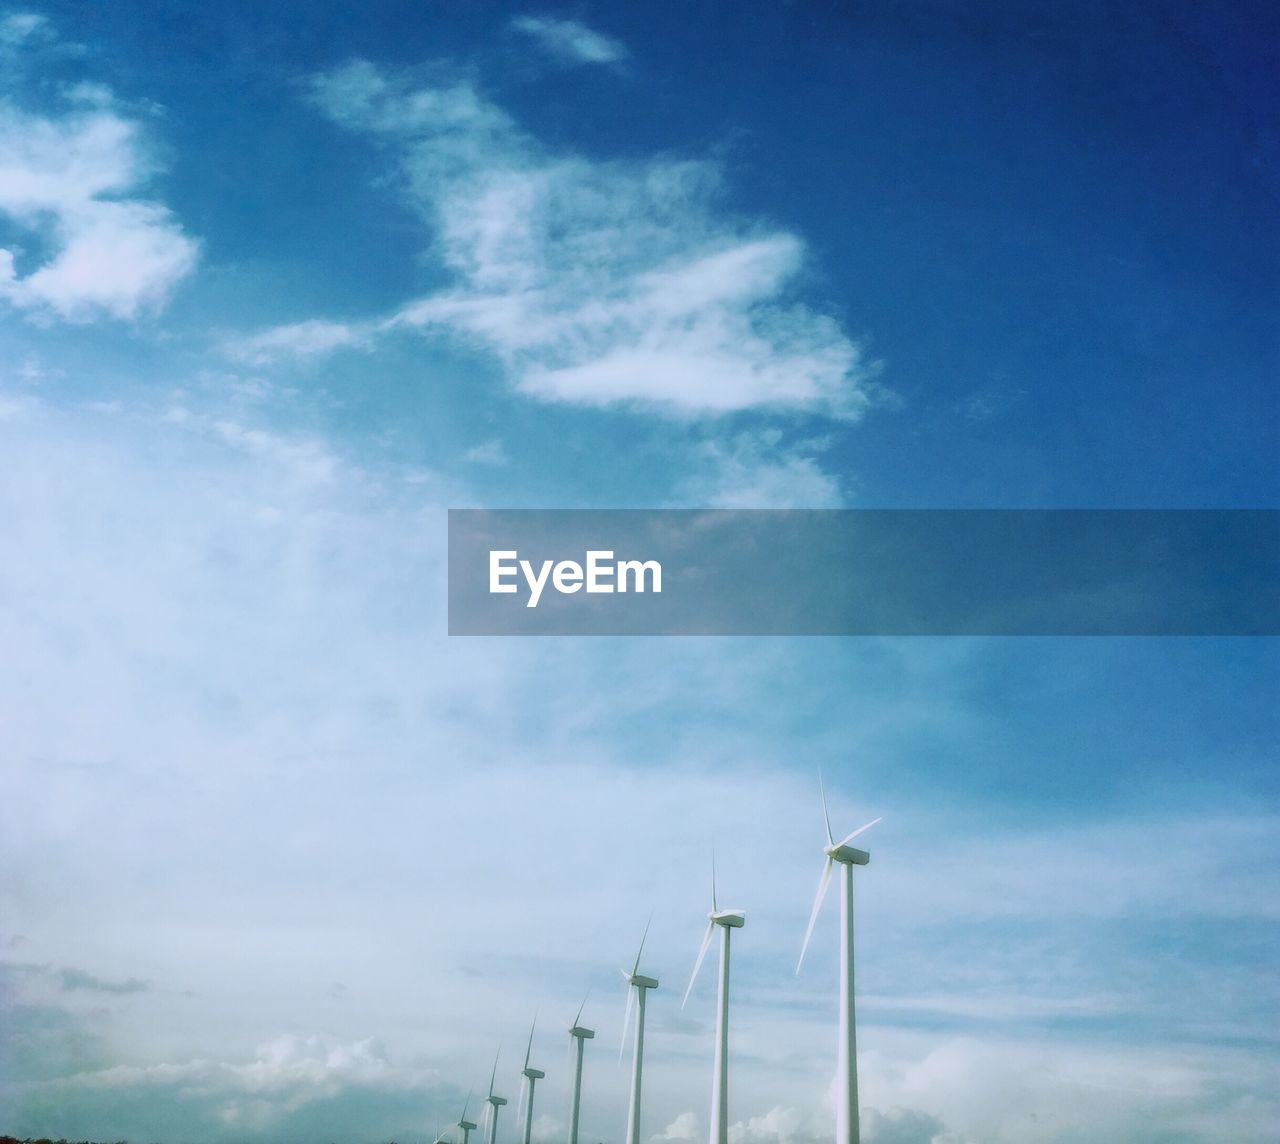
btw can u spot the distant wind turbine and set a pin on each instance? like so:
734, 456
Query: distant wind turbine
846, 1053
466, 1125
641, 984
531, 1076
727, 920
495, 1103
577, 1038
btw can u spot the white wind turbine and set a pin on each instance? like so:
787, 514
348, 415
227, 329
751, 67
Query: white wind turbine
466, 1125
494, 1103
531, 1076
641, 984
578, 1036
846, 1053
727, 920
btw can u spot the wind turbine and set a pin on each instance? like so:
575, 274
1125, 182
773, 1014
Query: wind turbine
532, 1076
641, 984
466, 1125
495, 1103
577, 1038
846, 1053
727, 920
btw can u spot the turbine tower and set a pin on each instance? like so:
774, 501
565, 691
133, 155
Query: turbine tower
727, 920
847, 1052
495, 1103
641, 984
532, 1076
577, 1038
466, 1125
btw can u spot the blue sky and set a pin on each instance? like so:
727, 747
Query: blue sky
282, 284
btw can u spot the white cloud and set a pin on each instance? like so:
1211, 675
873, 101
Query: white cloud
686, 1126
570, 41
490, 453
17, 27
1042, 1091
301, 340
773, 1127
69, 182
598, 283
274, 1093
759, 471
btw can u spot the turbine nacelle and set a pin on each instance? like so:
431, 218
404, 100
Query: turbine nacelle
733, 919
533, 1074
849, 855
466, 1125
496, 1101
579, 1031
640, 981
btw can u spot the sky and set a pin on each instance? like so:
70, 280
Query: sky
280, 284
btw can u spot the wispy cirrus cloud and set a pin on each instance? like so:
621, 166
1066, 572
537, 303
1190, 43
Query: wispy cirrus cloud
599, 283
569, 41
18, 27
71, 181
301, 340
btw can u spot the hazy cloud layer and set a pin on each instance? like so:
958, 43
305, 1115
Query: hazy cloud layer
229, 649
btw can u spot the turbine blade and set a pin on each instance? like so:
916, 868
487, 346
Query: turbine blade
826, 817
714, 907
636, 968
493, 1076
626, 1021
702, 953
580, 1008
466, 1102
529, 1047
860, 829
823, 883
524, 1088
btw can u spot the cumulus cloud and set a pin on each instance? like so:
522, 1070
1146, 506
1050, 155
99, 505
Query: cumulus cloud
684, 1127
292, 1081
70, 182
594, 283
569, 41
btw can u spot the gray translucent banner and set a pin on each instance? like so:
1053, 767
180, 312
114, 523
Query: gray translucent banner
864, 572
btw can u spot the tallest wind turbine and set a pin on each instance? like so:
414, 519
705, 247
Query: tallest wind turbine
847, 1052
